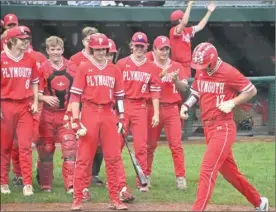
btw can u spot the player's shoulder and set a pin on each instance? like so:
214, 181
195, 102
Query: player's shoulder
228, 69
172, 29
123, 60
150, 56
75, 56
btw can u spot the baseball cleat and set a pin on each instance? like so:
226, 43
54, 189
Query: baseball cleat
76, 206
181, 183
143, 189
86, 195
263, 206
28, 190
70, 191
97, 181
117, 205
17, 181
5, 189
126, 196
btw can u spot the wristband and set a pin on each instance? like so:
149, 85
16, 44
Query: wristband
120, 105
191, 101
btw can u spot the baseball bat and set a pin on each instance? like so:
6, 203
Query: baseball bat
139, 172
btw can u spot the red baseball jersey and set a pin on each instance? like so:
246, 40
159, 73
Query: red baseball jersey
181, 44
169, 94
150, 56
99, 84
57, 81
223, 84
17, 75
80, 57
140, 79
38, 56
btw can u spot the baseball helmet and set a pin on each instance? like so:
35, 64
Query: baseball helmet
112, 46
17, 32
98, 41
26, 29
177, 14
10, 19
203, 55
139, 38
161, 41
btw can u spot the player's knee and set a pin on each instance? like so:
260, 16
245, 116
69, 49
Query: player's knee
69, 147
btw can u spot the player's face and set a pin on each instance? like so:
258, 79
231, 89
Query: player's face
55, 52
99, 54
110, 57
22, 44
85, 41
139, 50
163, 53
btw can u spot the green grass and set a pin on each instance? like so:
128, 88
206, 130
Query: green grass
255, 160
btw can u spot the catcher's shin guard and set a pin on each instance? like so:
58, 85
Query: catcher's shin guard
69, 151
45, 165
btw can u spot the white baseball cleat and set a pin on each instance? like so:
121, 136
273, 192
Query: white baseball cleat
263, 206
149, 179
5, 189
28, 190
181, 183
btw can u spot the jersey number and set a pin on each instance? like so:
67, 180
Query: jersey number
220, 99
144, 88
27, 84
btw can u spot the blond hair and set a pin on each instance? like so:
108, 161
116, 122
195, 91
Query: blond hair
88, 31
54, 41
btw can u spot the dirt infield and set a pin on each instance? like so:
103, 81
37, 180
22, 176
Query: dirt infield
132, 207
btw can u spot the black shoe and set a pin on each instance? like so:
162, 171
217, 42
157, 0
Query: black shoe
17, 181
97, 181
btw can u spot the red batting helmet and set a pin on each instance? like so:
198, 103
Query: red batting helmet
10, 19
139, 38
26, 29
177, 14
204, 54
161, 41
112, 46
16, 32
98, 41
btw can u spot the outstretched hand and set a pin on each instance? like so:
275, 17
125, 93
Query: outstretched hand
211, 7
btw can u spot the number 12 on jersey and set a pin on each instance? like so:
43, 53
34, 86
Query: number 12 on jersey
220, 99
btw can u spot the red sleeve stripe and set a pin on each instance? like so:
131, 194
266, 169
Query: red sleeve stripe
155, 89
121, 94
76, 90
247, 88
194, 92
35, 81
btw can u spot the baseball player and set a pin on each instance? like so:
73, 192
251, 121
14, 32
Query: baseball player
174, 81
10, 21
79, 58
19, 97
216, 86
140, 79
40, 58
56, 80
180, 34
98, 84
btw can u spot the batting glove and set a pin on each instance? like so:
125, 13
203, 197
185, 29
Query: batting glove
78, 127
67, 119
120, 126
184, 112
226, 106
